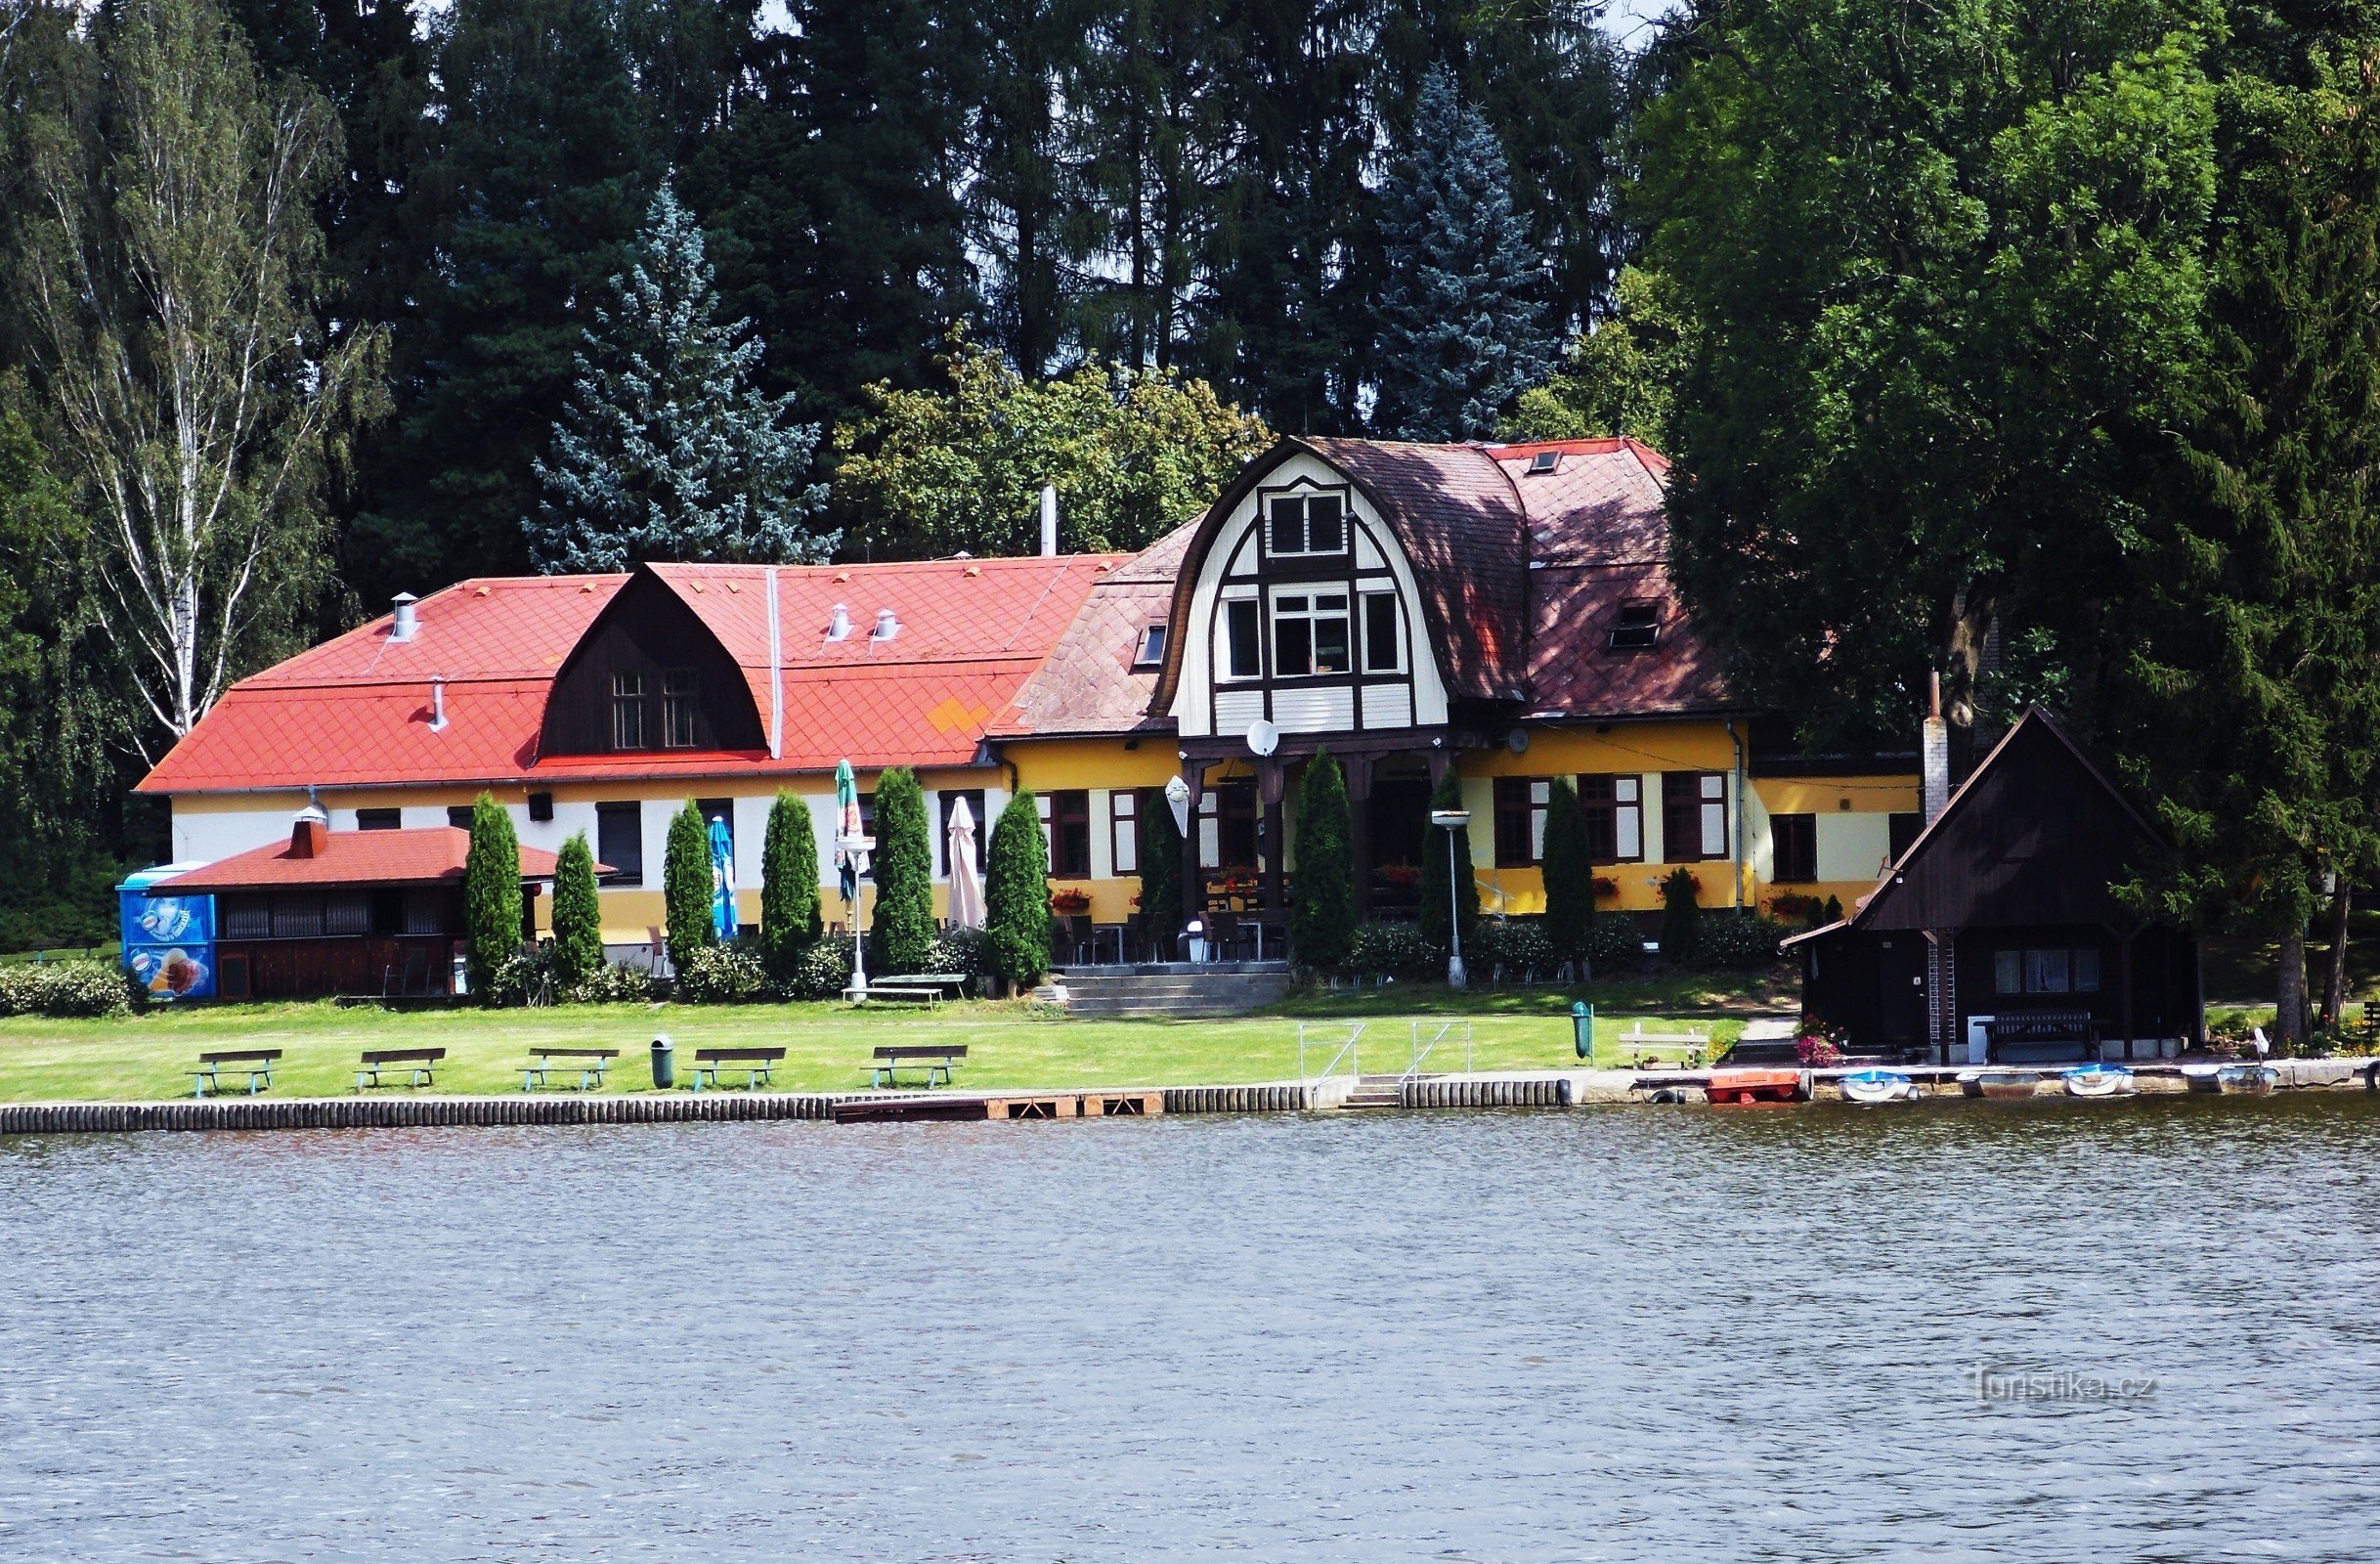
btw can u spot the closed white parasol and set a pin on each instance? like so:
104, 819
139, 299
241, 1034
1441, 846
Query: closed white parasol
965, 890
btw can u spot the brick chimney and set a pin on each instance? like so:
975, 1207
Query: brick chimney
310, 834
1934, 787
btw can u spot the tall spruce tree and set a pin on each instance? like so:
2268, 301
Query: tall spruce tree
902, 935
788, 886
666, 451
1570, 876
1462, 323
1434, 914
1322, 923
578, 915
686, 884
490, 897
1017, 892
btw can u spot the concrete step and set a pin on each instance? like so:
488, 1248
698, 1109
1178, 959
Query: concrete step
1173, 990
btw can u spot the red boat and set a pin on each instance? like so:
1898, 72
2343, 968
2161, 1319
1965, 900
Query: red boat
1742, 1086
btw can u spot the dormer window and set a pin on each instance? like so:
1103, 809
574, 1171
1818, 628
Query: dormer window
1150, 650
1305, 524
1544, 461
1637, 628
627, 712
677, 708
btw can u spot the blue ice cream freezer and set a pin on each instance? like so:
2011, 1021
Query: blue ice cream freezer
169, 941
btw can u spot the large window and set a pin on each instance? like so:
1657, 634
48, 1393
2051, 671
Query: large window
1243, 625
1309, 633
1520, 820
2055, 969
1693, 815
1065, 817
1305, 524
950, 798
1614, 812
1383, 646
627, 712
619, 841
1795, 840
677, 708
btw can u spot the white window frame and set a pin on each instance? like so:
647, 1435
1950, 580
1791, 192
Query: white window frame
1396, 612
1712, 798
1310, 610
1303, 499
1123, 832
1229, 674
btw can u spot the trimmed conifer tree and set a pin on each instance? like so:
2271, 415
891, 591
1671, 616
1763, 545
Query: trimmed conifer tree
491, 896
578, 915
1569, 877
1433, 920
1160, 875
1322, 925
686, 886
1017, 893
1462, 323
788, 886
1681, 917
902, 935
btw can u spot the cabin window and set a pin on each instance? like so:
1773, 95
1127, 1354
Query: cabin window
950, 798
377, 820
1383, 649
1307, 524
297, 915
677, 708
1123, 831
1150, 651
1244, 630
1066, 817
1614, 814
1520, 820
620, 843
1636, 627
1693, 815
2057, 969
1795, 840
459, 815
249, 917
1309, 633
347, 912
627, 712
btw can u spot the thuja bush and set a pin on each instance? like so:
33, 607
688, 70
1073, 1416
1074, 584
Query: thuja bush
686, 886
903, 930
1681, 917
1017, 893
491, 900
577, 916
1322, 921
788, 886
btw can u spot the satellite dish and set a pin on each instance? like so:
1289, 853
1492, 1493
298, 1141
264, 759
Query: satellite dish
1262, 737
1517, 741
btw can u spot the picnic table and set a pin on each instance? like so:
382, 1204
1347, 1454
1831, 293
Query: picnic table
755, 1064
1695, 1044
928, 988
419, 1066
934, 1057
590, 1062
254, 1063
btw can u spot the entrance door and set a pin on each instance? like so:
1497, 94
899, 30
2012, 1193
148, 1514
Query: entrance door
1900, 1001
1399, 823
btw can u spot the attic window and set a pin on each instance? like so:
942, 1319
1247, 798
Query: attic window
1637, 628
1544, 461
1151, 652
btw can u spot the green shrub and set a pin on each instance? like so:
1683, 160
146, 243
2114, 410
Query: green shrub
1161, 872
1517, 945
1681, 917
1613, 946
1323, 919
524, 978
1017, 893
577, 916
491, 898
965, 952
65, 989
788, 886
1570, 874
1742, 942
686, 884
617, 984
902, 930
718, 975
1394, 951
1447, 795
822, 972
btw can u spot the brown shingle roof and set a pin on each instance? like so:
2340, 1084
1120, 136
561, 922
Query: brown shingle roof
1088, 683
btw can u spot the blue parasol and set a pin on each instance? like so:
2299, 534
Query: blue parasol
722, 881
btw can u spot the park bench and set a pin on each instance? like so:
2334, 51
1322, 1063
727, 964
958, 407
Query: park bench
418, 1065
1694, 1044
928, 988
934, 1057
590, 1062
756, 1064
254, 1063
2058, 1029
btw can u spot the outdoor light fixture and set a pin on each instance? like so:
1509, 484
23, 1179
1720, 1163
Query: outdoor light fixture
1451, 821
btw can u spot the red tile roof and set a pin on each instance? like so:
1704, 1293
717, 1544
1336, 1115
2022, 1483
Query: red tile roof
429, 857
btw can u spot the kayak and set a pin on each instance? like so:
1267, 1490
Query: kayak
2098, 1080
1878, 1086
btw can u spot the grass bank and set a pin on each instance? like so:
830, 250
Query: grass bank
827, 1046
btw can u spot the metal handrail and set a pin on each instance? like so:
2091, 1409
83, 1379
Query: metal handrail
1347, 1051
1421, 1049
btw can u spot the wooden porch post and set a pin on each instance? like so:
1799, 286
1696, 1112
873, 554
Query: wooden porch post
1194, 878
1359, 771
1271, 783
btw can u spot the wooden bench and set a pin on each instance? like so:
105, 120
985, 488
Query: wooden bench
590, 1062
254, 1063
419, 1066
928, 988
1696, 1045
936, 1057
756, 1064
894, 993
2045, 1028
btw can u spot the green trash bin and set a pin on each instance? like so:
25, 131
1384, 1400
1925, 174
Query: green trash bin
664, 1062
1582, 1028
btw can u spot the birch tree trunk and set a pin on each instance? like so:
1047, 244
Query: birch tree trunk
170, 265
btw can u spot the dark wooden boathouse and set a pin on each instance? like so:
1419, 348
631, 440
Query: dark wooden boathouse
1996, 937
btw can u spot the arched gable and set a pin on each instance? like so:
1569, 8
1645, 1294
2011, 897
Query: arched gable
650, 654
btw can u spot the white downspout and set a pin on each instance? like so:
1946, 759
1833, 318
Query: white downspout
776, 674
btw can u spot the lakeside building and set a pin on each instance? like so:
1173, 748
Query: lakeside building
1501, 611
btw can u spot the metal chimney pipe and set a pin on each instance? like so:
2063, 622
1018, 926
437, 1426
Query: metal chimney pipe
437, 706
1049, 521
406, 622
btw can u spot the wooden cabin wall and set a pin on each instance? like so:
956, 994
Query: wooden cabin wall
647, 630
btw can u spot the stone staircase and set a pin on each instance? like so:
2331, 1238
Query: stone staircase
1173, 989
1374, 1091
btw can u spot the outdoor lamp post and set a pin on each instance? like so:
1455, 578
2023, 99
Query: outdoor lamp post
1451, 821
856, 849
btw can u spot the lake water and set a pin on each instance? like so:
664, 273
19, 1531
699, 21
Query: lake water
1625, 1333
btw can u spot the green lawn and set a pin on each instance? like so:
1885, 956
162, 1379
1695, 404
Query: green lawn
827, 1046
